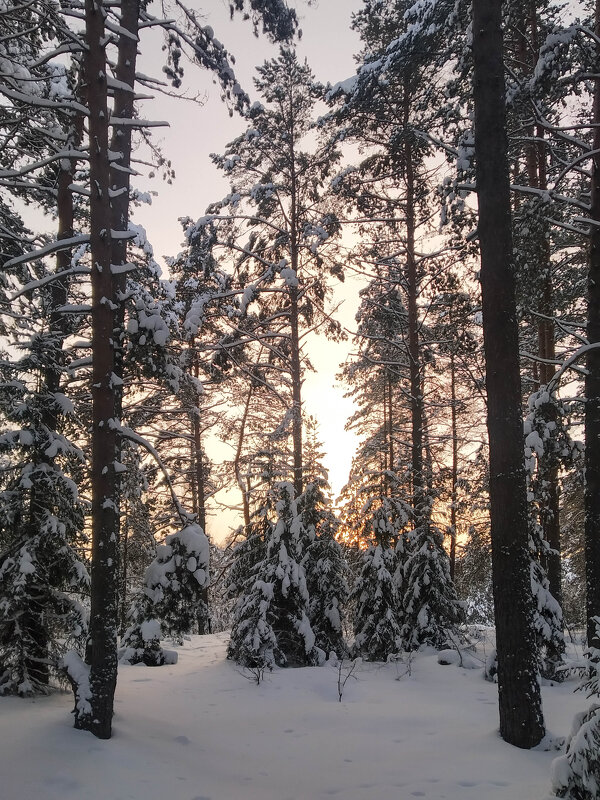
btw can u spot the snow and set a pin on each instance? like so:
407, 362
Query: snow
203, 730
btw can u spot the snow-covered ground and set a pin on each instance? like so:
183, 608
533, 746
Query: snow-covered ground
202, 730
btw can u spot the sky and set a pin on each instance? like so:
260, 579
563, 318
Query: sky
196, 130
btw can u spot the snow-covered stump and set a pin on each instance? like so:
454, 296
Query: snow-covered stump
576, 773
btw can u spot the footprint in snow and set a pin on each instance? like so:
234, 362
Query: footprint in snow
63, 783
182, 740
467, 783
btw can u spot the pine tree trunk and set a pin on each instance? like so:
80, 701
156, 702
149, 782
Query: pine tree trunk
535, 158
390, 429
236, 464
454, 472
101, 651
200, 505
296, 366
120, 178
521, 720
592, 385
296, 389
416, 395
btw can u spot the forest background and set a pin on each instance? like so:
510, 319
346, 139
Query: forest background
103, 356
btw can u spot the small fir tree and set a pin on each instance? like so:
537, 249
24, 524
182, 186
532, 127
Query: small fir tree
326, 571
271, 625
576, 774
432, 611
172, 598
376, 626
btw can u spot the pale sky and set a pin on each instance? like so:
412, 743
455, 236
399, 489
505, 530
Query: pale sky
195, 132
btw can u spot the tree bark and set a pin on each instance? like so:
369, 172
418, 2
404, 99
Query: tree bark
101, 651
454, 468
120, 183
390, 422
416, 394
592, 385
236, 464
521, 720
535, 159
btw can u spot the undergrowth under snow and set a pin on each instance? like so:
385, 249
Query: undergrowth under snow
202, 730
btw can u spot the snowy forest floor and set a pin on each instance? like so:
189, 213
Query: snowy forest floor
200, 730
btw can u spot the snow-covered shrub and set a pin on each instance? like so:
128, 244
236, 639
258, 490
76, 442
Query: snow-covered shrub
548, 448
41, 572
576, 774
172, 597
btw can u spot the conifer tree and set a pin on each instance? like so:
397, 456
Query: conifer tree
432, 612
576, 774
377, 626
172, 598
42, 572
277, 189
271, 625
325, 569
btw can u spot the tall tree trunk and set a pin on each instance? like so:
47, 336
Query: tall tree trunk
52, 374
535, 159
592, 384
120, 182
296, 366
390, 431
296, 386
237, 467
416, 394
199, 492
454, 473
101, 651
521, 720
124, 533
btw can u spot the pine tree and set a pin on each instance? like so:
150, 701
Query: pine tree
432, 611
172, 597
271, 625
377, 629
576, 774
277, 189
326, 571
521, 720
